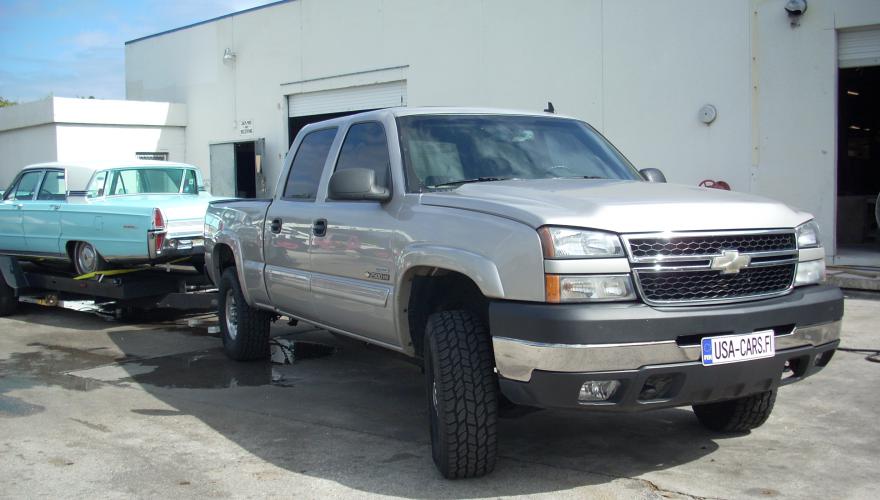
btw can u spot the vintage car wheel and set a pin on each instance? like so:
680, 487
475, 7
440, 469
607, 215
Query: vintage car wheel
86, 259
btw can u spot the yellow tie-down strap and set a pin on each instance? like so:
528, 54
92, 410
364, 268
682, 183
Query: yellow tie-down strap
117, 272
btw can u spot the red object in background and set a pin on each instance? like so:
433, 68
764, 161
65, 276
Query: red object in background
709, 183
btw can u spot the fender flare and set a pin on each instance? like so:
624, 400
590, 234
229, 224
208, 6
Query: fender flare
235, 246
478, 268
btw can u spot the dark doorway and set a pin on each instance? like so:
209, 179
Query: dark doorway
296, 123
858, 163
245, 170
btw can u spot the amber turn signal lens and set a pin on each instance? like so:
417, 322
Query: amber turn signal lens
551, 288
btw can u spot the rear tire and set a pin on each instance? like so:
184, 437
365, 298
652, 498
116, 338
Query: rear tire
8, 300
462, 394
245, 330
86, 259
737, 415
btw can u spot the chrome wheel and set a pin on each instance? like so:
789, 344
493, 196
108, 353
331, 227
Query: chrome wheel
231, 315
86, 258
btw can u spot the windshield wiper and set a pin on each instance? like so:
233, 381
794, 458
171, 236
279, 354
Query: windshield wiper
469, 181
580, 177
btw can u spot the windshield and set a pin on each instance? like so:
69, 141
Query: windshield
143, 181
441, 150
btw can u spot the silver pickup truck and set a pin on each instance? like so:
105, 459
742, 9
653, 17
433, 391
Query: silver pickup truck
520, 259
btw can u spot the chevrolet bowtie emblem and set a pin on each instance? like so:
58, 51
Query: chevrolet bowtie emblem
730, 262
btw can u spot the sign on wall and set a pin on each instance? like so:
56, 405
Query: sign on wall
246, 127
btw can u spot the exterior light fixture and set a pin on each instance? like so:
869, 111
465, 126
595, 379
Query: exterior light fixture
228, 55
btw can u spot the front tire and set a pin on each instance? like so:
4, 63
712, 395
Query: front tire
86, 259
737, 415
462, 394
245, 330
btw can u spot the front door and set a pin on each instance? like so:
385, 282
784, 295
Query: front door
352, 262
41, 218
289, 226
20, 193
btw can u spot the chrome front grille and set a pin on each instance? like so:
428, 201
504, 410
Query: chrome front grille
677, 268
691, 246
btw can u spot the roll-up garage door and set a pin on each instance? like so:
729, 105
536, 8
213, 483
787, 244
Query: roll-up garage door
380, 95
859, 48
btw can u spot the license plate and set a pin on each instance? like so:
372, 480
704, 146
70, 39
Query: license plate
736, 348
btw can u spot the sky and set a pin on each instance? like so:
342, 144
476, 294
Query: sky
77, 48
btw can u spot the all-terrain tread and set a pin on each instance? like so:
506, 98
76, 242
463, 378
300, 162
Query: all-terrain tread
467, 392
252, 341
737, 415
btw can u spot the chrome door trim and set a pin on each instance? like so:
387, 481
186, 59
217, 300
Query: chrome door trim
301, 280
373, 294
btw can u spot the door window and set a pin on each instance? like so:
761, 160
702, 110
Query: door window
365, 147
54, 186
305, 173
27, 185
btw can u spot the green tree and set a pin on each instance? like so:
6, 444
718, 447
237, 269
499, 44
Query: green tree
4, 103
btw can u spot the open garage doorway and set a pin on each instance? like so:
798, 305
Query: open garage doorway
858, 167
310, 107
237, 169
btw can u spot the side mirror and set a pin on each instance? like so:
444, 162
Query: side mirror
652, 175
356, 184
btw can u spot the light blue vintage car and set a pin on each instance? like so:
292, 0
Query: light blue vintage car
102, 215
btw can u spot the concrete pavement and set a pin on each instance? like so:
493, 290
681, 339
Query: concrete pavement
94, 408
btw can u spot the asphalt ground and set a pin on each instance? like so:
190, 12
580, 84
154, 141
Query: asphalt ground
93, 408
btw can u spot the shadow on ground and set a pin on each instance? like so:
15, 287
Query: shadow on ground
358, 417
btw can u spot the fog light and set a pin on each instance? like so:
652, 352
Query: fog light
598, 390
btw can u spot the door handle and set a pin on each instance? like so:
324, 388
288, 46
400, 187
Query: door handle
19, 206
275, 226
319, 228
55, 207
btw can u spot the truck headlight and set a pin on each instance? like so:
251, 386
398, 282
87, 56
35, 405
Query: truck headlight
808, 235
568, 243
810, 273
599, 288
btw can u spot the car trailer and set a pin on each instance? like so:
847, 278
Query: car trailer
109, 293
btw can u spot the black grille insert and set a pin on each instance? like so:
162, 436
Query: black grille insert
695, 246
694, 286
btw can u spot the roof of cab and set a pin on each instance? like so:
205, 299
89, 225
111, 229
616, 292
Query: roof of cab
430, 110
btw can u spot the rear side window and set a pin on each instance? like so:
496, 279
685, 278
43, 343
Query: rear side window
27, 185
365, 147
54, 187
302, 182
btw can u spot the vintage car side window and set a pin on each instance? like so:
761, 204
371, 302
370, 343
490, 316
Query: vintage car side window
365, 146
96, 187
54, 187
190, 184
27, 185
305, 173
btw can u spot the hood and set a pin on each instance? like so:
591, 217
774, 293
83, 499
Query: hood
618, 206
174, 206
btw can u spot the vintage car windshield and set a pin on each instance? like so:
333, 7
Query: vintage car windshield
126, 181
439, 151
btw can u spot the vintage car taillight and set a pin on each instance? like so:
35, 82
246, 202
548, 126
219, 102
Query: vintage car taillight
158, 219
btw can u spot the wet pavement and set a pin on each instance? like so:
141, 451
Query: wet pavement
92, 408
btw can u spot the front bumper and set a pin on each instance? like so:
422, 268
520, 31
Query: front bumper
544, 353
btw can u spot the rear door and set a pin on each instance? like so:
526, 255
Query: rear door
41, 218
19, 195
352, 263
289, 224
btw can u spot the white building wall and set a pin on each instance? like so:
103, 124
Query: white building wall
638, 71
65, 129
77, 142
23, 146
